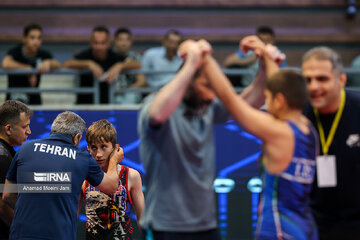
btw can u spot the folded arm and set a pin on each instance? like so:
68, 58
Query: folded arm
95, 68
9, 63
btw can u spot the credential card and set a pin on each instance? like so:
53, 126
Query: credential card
326, 171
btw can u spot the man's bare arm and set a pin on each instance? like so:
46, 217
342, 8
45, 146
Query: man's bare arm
9, 63
136, 193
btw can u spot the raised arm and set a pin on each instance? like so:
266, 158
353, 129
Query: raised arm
275, 133
254, 93
235, 60
136, 193
170, 96
110, 182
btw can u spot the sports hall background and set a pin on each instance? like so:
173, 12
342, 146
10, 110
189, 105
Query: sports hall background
67, 24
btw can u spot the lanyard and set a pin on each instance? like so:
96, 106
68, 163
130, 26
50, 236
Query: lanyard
326, 144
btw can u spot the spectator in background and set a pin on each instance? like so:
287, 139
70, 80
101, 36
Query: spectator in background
122, 44
354, 79
163, 58
28, 55
249, 60
14, 130
104, 64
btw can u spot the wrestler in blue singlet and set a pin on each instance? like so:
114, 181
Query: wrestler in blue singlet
284, 209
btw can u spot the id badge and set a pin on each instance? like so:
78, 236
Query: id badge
326, 171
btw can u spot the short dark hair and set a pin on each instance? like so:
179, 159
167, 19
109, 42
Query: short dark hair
122, 30
265, 30
31, 26
101, 28
291, 84
10, 112
172, 31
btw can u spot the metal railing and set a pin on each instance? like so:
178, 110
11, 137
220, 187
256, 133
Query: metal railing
113, 90
61, 71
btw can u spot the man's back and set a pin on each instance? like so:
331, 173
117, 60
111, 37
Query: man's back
48, 164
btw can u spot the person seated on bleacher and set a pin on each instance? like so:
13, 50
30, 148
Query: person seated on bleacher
354, 79
163, 58
103, 63
122, 45
249, 60
28, 55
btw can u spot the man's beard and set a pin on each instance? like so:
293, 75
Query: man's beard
195, 106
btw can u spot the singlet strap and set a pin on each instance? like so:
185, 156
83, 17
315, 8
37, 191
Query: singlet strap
127, 186
86, 183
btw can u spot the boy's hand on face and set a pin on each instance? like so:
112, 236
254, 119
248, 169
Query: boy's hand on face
117, 154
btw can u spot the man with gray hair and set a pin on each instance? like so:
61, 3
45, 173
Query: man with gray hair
14, 130
335, 113
49, 173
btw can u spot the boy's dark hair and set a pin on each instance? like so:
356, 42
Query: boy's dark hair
10, 112
292, 85
122, 30
172, 31
101, 131
265, 30
32, 26
101, 28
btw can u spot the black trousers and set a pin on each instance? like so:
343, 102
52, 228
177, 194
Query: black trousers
339, 233
211, 234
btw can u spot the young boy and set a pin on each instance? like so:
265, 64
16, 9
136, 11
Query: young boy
289, 142
28, 55
108, 216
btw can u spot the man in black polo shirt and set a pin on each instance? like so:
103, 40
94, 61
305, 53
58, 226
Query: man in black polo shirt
335, 112
28, 55
14, 130
103, 63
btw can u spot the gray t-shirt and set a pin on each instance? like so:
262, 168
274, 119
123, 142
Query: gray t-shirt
179, 158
